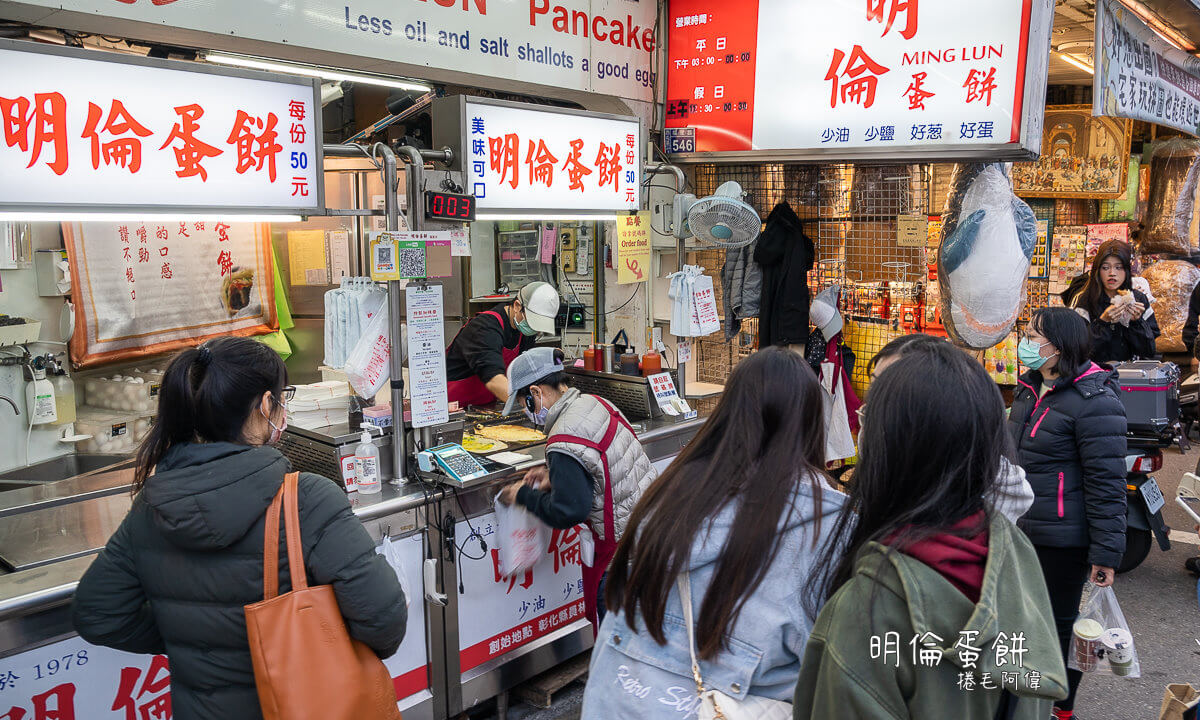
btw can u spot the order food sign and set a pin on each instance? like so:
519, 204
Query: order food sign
87, 130
857, 79
521, 158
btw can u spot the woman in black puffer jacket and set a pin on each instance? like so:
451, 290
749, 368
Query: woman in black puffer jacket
1117, 335
177, 573
1069, 427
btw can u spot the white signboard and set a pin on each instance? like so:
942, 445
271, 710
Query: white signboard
1140, 76
409, 667
75, 679
523, 157
889, 78
600, 46
109, 131
426, 355
497, 615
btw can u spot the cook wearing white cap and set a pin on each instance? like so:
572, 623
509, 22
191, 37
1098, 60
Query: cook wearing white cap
481, 352
596, 469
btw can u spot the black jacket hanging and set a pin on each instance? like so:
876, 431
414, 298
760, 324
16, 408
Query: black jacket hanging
786, 255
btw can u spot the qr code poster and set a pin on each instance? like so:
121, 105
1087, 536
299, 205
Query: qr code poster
383, 258
411, 259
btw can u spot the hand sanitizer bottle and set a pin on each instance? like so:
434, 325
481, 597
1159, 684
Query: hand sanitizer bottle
366, 465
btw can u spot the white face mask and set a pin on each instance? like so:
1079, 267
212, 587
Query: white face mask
276, 430
538, 418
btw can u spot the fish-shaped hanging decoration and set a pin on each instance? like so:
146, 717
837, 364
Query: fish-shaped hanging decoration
988, 237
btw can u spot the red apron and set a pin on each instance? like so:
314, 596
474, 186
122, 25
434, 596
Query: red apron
471, 390
606, 548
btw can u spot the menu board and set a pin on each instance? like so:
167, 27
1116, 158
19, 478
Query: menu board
426, 356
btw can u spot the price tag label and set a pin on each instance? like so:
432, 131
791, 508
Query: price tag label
685, 351
912, 230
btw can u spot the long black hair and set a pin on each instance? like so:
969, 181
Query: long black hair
766, 437
1070, 334
1093, 292
917, 477
207, 394
902, 346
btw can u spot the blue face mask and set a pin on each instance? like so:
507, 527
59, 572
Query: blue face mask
526, 329
1030, 354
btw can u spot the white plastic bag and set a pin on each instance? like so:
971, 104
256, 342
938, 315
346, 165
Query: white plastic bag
705, 319
1102, 641
389, 548
587, 546
368, 365
839, 439
521, 539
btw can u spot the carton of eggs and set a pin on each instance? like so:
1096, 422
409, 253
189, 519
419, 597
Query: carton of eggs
111, 432
127, 393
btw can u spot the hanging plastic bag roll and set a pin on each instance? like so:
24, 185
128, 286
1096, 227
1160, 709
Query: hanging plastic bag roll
389, 548
369, 364
1174, 173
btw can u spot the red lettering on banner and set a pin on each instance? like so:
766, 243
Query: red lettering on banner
541, 163
225, 262
524, 633
564, 547
576, 170
608, 164
980, 85
47, 115
63, 707
503, 156
253, 150
916, 93
156, 684
863, 73
193, 151
124, 151
296, 110
222, 232
526, 580
908, 7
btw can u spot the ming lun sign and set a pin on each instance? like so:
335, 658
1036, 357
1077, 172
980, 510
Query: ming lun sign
87, 130
901, 79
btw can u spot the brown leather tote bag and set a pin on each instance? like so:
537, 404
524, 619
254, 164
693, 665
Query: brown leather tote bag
306, 665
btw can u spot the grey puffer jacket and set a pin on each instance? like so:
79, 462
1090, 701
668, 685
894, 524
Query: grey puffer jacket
741, 283
178, 572
629, 470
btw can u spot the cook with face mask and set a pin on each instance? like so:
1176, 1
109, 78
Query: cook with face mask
596, 468
481, 352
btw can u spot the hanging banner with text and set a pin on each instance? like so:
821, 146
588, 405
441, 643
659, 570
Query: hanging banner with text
1141, 76
88, 130
633, 248
599, 46
522, 158
149, 288
854, 80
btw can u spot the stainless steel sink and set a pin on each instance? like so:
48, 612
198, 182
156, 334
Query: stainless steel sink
61, 468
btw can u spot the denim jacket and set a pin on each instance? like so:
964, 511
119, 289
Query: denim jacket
632, 676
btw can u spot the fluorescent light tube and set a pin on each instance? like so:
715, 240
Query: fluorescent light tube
317, 71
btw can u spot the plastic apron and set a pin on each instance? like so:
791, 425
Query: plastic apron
606, 548
471, 390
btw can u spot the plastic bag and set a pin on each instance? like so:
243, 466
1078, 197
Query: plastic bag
839, 441
1101, 641
389, 548
521, 539
368, 365
1174, 173
1171, 284
706, 320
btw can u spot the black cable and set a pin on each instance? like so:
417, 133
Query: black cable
631, 297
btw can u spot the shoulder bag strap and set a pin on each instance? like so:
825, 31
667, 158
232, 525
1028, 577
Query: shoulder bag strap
684, 583
271, 547
291, 514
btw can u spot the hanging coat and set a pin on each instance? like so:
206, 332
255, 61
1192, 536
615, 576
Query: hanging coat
786, 255
741, 281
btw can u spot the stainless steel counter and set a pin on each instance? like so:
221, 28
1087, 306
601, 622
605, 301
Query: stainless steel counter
65, 523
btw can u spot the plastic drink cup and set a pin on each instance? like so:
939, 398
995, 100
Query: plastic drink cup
1087, 644
1118, 648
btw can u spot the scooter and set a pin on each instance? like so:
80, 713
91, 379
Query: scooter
1152, 395
1144, 500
